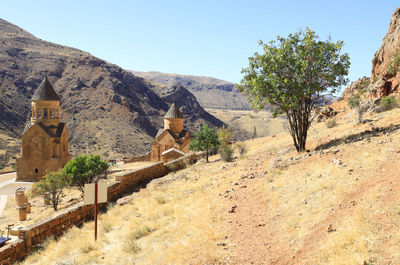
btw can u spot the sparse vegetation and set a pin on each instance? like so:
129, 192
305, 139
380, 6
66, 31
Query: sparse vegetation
354, 102
394, 64
224, 135
388, 103
293, 75
225, 149
226, 152
171, 167
85, 169
189, 220
331, 123
242, 149
54, 183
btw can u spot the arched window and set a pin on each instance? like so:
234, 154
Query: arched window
46, 113
51, 113
39, 113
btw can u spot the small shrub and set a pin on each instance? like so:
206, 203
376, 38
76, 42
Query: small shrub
87, 247
226, 153
355, 103
110, 205
106, 226
224, 135
242, 149
394, 64
331, 123
160, 200
388, 103
171, 167
140, 232
130, 246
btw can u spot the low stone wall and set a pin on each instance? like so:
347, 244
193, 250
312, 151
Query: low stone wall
12, 252
125, 182
77, 214
182, 162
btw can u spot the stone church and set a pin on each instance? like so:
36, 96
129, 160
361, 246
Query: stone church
172, 141
44, 143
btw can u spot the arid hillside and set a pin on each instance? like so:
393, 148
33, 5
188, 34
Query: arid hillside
247, 120
210, 92
108, 110
336, 204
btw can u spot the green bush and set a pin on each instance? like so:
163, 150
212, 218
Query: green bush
242, 149
331, 123
226, 152
354, 101
394, 64
388, 103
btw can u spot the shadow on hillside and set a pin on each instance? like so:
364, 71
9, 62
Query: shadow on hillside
375, 132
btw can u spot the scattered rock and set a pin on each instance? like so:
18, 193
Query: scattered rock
124, 200
337, 162
330, 228
233, 209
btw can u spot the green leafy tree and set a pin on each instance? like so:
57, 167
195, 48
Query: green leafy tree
53, 183
293, 75
85, 169
205, 139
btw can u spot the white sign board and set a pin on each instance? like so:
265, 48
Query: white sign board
89, 192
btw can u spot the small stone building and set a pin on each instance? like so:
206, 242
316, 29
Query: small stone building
172, 136
44, 143
171, 154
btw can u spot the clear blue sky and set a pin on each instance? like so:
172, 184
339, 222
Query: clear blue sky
211, 38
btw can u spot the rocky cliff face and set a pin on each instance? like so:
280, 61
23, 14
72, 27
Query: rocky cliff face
108, 111
359, 86
384, 80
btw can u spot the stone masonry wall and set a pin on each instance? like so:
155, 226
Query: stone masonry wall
75, 215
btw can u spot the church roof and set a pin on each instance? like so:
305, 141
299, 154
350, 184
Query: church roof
59, 131
173, 113
45, 91
181, 135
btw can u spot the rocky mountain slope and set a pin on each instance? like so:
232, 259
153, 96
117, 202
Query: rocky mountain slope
385, 76
108, 110
210, 92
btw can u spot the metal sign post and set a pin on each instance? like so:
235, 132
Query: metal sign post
95, 193
95, 210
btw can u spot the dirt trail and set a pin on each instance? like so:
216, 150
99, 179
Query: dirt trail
250, 226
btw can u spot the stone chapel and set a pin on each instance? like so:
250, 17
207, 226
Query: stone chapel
44, 143
172, 141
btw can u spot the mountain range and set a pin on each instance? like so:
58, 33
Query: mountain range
108, 110
211, 92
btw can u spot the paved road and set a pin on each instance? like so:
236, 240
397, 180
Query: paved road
8, 185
